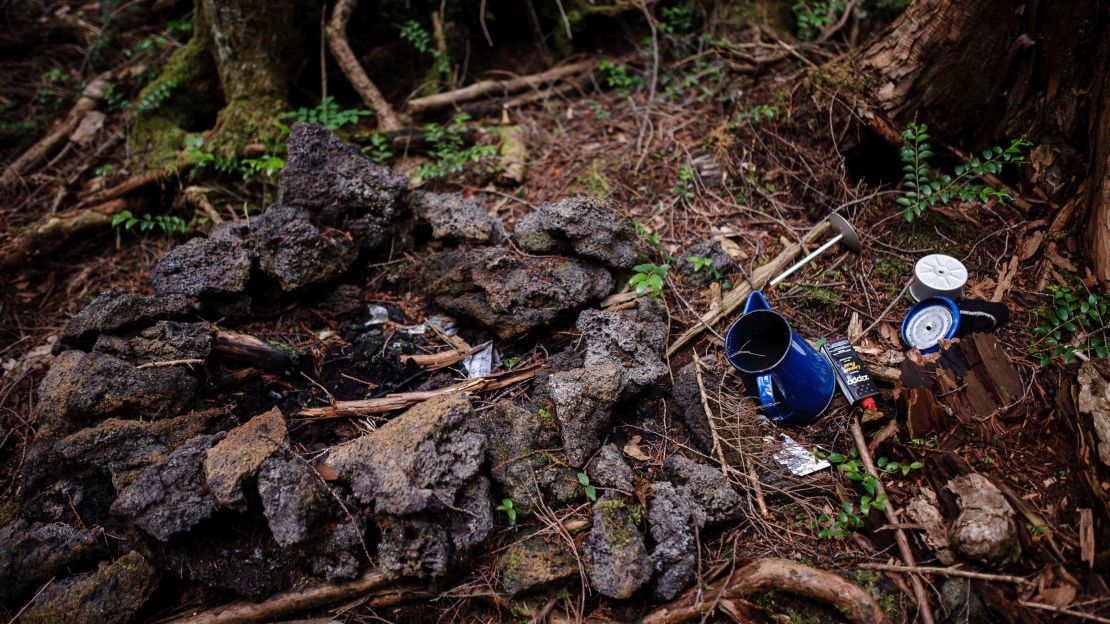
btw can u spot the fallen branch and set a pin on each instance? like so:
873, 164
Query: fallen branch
736, 297
778, 574
919, 595
288, 602
337, 41
982, 576
394, 402
485, 88
50, 234
130, 185
248, 349
1072, 612
89, 100
164, 363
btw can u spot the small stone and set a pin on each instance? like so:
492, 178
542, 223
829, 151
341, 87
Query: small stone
589, 226
294, 498
416, 462
170, 497
539, 563
115, 311
634, 339
336, 556
164, 341
238, 457
985, 530
715, 500
111, 595
454, 217
695, 272
296, 252
413, 546
687, 394
614, 555
584, 401
472, 519
203, 267
961, 604
609, 470
31, 554
671, 518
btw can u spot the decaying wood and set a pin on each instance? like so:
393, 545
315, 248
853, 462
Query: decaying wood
251, 350
987, 358
437, 360
514, 155
89, 100
778, 574
337, 41
923, 414
739, 294
129, 186
50, 234
287, 602
485, 88
394, 402
1004, 578
919, 594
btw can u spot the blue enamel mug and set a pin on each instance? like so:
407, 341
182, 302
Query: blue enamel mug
794, 382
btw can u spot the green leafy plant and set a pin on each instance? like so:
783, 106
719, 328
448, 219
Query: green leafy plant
815, 17
676, 20
167, 223
415, 34
202, 158
267, 165
510, 511
104, 170
154, 99
754, 115
448, 150
591, 491
684, 187
1073, 323
704, 263
328, 114
115, 98
619, 77
653, 239
852, 514
925, 187
379, 149
648, 279
1037, 530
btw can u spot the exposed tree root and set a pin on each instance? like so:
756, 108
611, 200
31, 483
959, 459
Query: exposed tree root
778, 574
341, 50
485, 88
52, 233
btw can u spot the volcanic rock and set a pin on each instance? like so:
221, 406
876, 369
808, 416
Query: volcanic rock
454, 217
609, 470
125, 448
235, 459
671, 518
687, 395
472, 519
171, 496
111, 595
587, 225
584, 400
538, 563
512, 295
413, 546
115, 311
336, 556
711, 249
203, 267
83, 387
295, 252
416, 462
715, 500
31, 554
985, 530
294, 498
614, 555
633, 339
162, 342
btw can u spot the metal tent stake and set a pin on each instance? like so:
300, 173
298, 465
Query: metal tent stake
845, 234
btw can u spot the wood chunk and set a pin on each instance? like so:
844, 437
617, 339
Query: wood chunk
985, 355
923, 413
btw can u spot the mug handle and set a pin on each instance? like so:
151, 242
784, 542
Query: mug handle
767, 397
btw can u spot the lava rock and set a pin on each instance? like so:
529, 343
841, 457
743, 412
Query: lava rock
585, 224
413, 546
203, 267
633, 339
454, 217
162, 342
297, 253
111, 595
126, 448
340, 186
513, 435
687, 395
672, 521
416, 462
512, 295
715, 499
472, 519
83, 387
613, 554
235, 459
722, 263
335, 557
985, 530
609, 470
539, 563
115, 311
31, 554
170, 497
584, 400
962, 605
294, 498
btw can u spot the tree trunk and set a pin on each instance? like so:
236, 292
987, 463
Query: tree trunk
980, 72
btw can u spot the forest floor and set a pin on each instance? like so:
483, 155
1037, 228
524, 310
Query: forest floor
688, 141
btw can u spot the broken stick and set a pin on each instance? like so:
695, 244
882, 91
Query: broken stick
735, 298
485, 88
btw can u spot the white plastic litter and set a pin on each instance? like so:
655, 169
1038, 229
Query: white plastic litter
938, 275
482, 362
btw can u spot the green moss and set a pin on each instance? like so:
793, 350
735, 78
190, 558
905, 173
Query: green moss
9, 510
817, 297
891, 272
614, 514
594, 180
883, 592
839, 78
